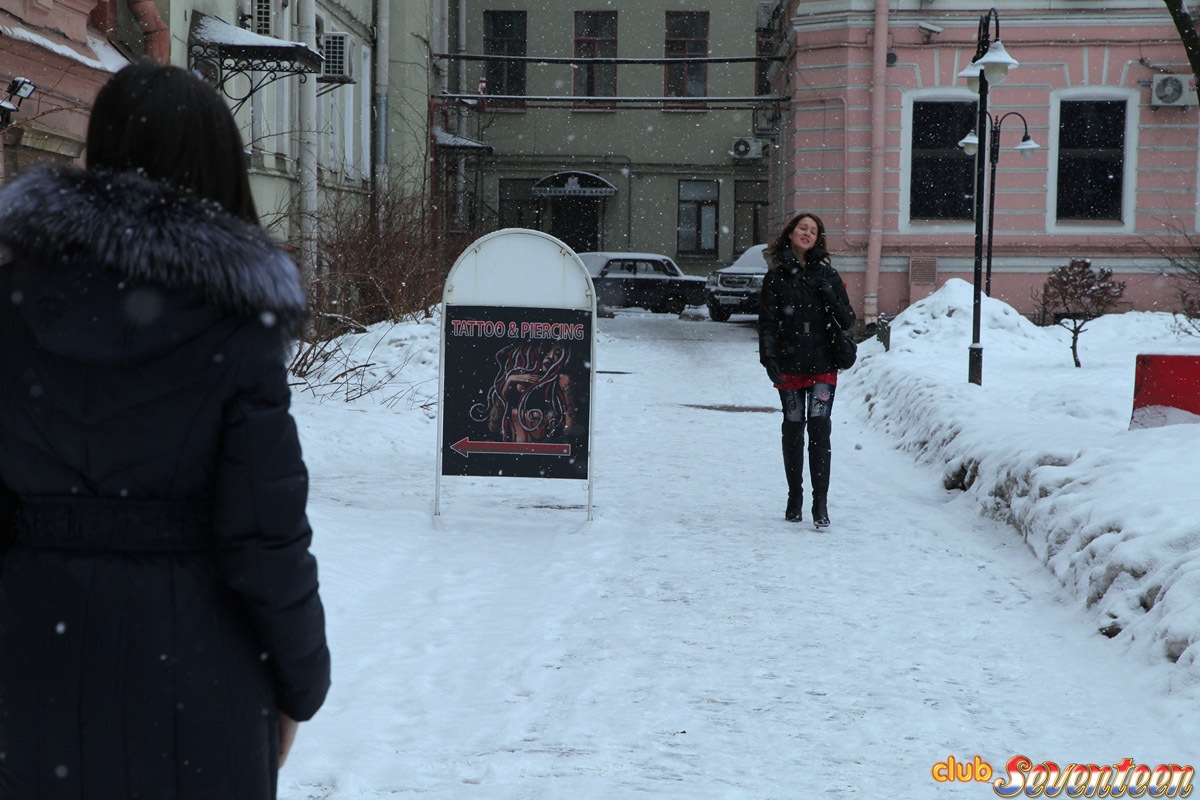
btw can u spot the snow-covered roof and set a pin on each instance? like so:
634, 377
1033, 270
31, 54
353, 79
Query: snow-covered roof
443, 138
102, 55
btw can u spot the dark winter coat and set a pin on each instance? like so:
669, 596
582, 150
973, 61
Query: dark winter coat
158, 601
797, 306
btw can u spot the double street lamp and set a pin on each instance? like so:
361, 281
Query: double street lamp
970, 146
989, 66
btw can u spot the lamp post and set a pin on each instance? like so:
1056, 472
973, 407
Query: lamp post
18, 89
970, 146
990, 65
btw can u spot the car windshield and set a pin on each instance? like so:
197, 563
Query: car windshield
754, 259
594, 263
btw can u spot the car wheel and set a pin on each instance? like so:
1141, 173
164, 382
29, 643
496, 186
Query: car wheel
718, 313
674, 305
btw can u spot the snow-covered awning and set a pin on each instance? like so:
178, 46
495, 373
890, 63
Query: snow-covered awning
219, 51
452, 141
238, 50
573, 183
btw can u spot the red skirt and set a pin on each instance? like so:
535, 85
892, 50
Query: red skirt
804, 381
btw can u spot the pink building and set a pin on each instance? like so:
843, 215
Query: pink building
870, 142
58, 51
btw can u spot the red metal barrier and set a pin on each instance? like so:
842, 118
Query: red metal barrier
1166, 390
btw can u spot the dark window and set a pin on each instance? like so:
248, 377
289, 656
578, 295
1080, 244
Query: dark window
687, 37
1091, 159
749, 214
596, 37
697, 230
504, 35
943, 177
519, 208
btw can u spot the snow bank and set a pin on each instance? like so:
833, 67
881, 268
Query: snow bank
1048, 448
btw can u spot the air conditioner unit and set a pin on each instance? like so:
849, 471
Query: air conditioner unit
1173, 90
335, 49
744, 148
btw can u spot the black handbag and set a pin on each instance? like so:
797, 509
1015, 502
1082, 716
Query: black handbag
841, 347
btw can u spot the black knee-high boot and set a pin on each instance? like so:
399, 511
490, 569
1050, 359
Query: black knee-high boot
818, 465
793, 468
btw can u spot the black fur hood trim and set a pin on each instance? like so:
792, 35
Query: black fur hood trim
151, 232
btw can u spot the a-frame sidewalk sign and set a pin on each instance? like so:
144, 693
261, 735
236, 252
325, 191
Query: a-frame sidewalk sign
517, 366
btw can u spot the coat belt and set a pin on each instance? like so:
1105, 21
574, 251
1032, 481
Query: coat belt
113, 524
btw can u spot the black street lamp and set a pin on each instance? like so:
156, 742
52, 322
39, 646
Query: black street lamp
18, 89
990, 65
970, 144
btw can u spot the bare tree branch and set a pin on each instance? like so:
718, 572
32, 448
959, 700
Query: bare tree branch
1188, 34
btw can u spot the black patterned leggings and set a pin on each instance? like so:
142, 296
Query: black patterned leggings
808, 403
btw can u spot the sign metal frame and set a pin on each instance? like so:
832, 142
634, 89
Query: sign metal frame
518, 334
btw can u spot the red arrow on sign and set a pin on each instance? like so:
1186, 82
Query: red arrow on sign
464, 447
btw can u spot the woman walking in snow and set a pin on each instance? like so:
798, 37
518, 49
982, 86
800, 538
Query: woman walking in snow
161, 630
802, 296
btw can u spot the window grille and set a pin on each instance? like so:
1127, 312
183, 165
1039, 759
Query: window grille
335, 48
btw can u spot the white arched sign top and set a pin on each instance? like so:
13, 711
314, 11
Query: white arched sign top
519, 267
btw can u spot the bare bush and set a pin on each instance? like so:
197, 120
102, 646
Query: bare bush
349, 368
1076, 294
1186, 277
381, 257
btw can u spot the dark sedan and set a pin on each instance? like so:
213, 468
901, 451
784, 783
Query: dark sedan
643, 280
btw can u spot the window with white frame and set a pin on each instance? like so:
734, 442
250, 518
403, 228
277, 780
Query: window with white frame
339, 109
272, 127
1091, 160
696, 233
942, 177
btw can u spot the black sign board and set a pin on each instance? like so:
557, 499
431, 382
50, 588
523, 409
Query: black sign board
516, 393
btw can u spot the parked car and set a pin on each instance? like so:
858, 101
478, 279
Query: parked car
644, 280
735, 289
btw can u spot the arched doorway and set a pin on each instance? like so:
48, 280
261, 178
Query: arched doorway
576, 204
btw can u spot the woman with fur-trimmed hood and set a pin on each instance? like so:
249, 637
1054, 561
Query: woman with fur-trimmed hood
161, 631
802, 296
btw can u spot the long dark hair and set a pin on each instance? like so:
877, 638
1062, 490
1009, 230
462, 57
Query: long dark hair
783, 241
170, 125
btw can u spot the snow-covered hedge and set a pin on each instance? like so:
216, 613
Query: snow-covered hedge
1047, 448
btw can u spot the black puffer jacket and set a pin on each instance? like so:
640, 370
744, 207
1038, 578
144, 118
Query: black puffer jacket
798, 303
158, 601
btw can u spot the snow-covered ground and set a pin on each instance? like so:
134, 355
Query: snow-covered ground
689, 643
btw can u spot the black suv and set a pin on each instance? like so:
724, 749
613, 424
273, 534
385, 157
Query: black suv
735, 289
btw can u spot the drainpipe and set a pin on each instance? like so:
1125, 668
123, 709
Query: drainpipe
306, 161
383, 26
156, 32
103, 17
462, 49
460, 172
878, 162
